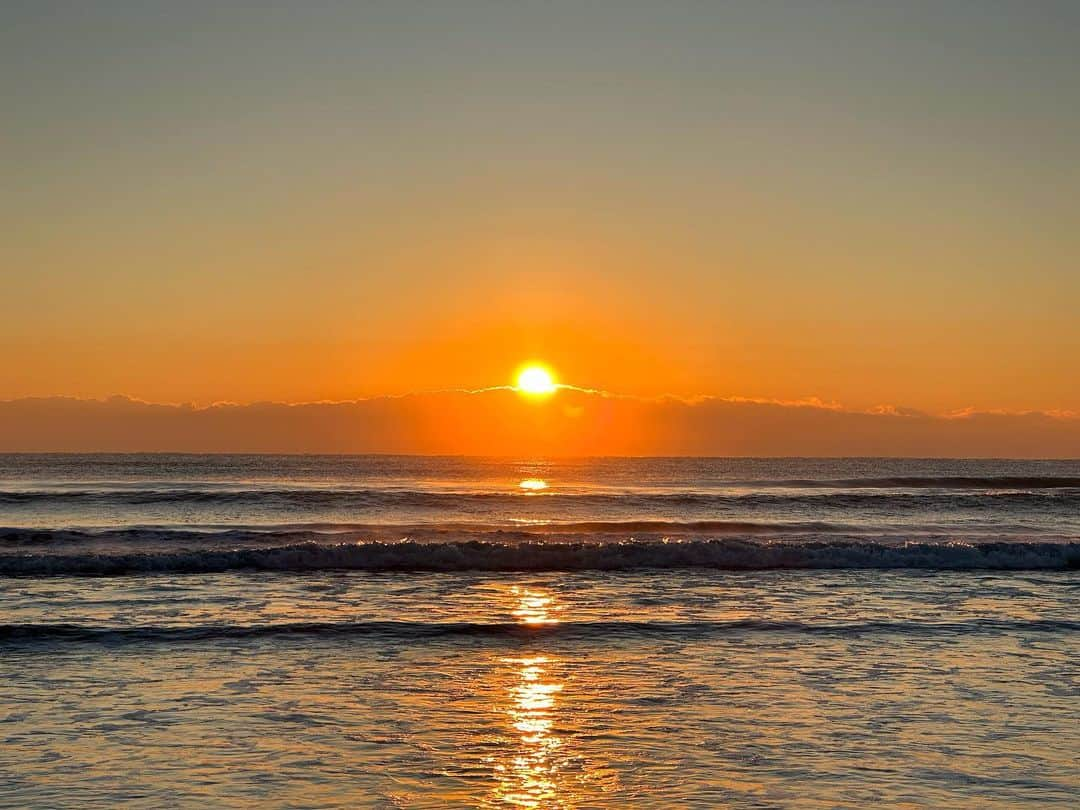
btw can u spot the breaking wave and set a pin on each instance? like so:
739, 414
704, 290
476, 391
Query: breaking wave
476, 555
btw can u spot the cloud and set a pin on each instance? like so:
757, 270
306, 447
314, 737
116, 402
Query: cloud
499, 422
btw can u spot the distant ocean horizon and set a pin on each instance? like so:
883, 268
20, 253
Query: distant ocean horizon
104, 514
416, 631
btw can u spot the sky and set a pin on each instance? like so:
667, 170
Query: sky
870, 204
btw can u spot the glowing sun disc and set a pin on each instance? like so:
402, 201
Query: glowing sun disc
535, 380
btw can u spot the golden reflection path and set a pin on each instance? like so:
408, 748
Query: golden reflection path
528, 775
534, 606
528, 772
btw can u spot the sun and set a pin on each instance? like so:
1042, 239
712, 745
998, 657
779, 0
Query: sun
535, 380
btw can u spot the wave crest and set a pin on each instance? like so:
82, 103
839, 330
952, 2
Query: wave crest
595, 630
860, 492
726, 554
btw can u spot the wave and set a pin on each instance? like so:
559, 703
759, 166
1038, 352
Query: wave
1001, 495
598, 530
476, 555
29, 632
926, 482
592, 532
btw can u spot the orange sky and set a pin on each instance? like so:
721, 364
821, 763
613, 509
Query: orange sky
758, 201
631, 321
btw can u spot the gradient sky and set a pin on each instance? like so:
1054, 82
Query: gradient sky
864, 202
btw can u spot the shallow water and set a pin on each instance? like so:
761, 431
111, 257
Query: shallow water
759, 689
919, 660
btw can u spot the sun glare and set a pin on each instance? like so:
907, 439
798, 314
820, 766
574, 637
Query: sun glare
535, 380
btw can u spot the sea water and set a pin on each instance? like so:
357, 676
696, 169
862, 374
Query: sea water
296, 631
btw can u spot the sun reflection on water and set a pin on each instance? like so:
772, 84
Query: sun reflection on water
527, 777
533, 484
540, 764
534, 606
527, 772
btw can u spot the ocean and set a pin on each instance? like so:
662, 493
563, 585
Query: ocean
382, 631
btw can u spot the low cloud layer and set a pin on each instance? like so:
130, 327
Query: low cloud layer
500, 422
